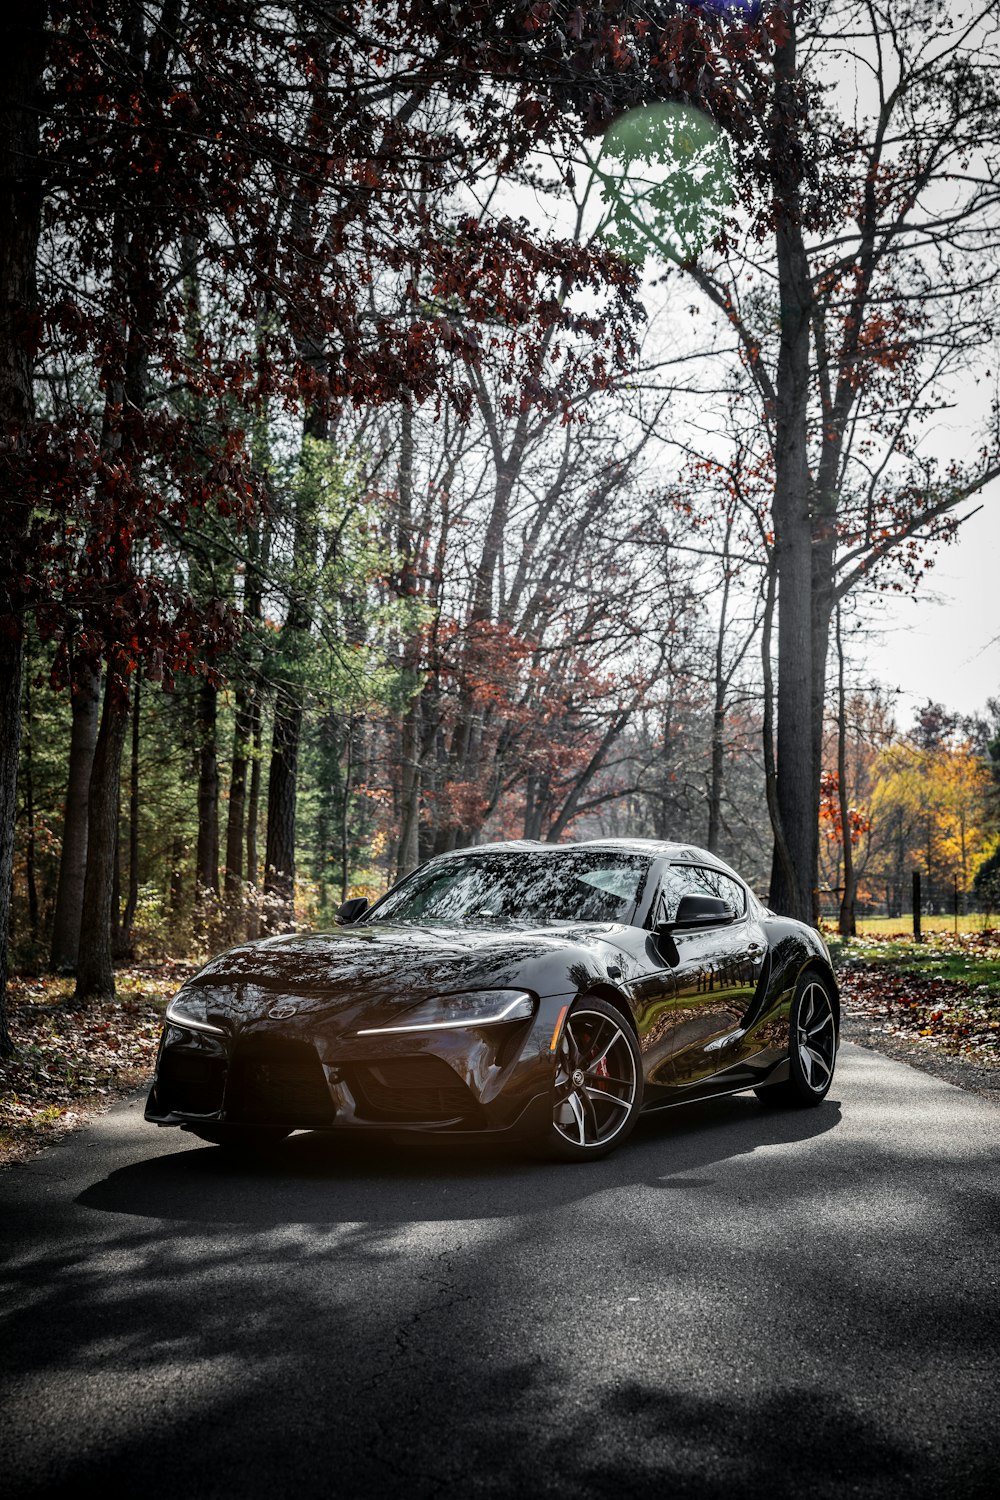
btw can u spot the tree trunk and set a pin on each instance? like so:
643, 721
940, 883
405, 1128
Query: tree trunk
846, 924
119, 950
408, 854
21, 67
345, 840
282, 787
29, 812
207, 856
95, 975
85, 688
793, 882
233, 885
11, 671
719, 703
408, 851
176, 882
132, 896
253, 813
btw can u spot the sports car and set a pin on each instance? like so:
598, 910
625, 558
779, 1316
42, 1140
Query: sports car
545, 993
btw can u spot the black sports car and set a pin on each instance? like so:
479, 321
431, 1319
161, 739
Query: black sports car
550, 992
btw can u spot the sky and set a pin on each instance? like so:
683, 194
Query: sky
944, 643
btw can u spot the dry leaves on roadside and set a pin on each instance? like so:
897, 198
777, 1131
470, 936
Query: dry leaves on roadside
71, 1058
958, 1016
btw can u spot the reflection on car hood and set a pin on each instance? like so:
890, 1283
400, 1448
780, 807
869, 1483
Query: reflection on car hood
396, 959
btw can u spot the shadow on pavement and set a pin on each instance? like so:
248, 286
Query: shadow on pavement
331, 1179
794, 1317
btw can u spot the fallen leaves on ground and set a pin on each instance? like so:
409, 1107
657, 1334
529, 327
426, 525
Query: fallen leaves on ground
71, 1058
943, 994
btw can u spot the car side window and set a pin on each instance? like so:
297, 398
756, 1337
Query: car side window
695, 880
714, 883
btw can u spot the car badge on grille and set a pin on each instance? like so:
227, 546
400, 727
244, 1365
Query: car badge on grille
282, 1010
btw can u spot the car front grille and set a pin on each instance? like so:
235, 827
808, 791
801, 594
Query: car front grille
278, 1082
188, 1083
415, 1089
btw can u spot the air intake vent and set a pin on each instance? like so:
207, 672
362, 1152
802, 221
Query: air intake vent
277, 1082
190, 1084
414, 1089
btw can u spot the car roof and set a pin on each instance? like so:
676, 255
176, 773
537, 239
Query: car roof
652, 848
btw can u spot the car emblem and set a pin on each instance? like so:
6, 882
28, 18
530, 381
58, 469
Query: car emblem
282, 1010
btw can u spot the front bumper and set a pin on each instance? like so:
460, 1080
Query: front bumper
310, 1075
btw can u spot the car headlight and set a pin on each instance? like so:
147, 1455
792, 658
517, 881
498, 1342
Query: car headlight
452, 1012
189, 1009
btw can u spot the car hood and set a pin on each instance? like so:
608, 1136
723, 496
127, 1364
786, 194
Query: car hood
355, 967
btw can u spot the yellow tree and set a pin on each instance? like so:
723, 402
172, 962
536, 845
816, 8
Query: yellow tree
962, 787
930, 809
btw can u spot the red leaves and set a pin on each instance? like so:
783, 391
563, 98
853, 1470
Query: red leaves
858, 821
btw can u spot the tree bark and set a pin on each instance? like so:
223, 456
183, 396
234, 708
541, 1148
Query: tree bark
282, 788
253, 813
95, 974
408, 850
29, 812
21, 66
233, 883
719, 703
793, 882
132, 895
846, 925
408, 854
85, 689
345, 827
207, 855
289, 709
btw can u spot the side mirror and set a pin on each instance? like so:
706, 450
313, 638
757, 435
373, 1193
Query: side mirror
351, 911
701, 911
692, 911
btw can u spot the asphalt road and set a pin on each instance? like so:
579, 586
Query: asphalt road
738, 1303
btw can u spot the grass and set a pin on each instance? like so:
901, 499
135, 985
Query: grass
971, 959
944, 992
903, 926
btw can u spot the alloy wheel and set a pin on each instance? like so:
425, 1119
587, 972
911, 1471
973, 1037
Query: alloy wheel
596, 1080
816, 1036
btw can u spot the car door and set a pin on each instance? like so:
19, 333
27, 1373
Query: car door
714, 980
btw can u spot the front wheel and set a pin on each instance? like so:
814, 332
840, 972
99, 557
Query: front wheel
813, 1047
597, 1092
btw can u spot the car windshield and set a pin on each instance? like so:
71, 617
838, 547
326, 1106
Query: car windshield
522, 886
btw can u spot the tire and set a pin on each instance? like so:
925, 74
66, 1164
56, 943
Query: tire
240, 1137
597, 1090
812, 1054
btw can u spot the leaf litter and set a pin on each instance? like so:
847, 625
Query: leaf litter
73, 1059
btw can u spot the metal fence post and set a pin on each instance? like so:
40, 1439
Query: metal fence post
916, 907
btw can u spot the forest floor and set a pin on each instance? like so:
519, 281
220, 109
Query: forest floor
74, 1060
935, 1006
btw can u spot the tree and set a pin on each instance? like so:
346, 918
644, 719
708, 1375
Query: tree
857, 276
934, 802
21, 72
279, 147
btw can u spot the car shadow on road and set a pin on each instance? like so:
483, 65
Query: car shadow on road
330, 1178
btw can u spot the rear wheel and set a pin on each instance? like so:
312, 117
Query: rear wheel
597, 1093
240, 1137
813, 1047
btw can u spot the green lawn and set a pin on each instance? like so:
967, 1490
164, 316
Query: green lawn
884, 926
970, 958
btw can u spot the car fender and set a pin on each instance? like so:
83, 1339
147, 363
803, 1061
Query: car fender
794, 948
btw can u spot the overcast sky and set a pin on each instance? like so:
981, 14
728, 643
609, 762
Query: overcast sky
945, 643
